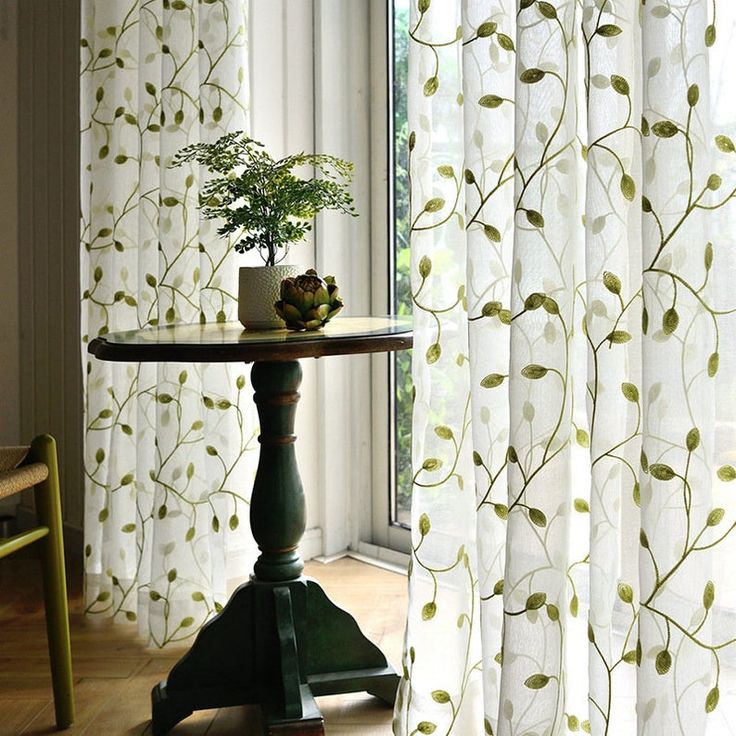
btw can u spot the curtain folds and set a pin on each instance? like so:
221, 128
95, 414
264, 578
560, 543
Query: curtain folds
571, 169
166, 446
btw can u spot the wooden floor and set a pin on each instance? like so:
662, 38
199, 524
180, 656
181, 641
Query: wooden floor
114, 671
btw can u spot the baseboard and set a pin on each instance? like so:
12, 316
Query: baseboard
311, 544
372, 554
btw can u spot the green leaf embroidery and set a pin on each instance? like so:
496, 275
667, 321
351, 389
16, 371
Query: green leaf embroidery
425, 266
582, 437
628, 187
711, 699
490, 101
434, 352
630, 392
492, 233
713, 362
531, 76
626, 593
664, 129
431, 86
538, 517
424, 525
727, 473
725, 144
660, 471
534, 371
492, 380
663, 662
710, 35
535, 218
486, 29
618, 337
715, 517
434, 205
536, 682
581, 506
670, 321
547, 9
692, 441
620, 85
693, 95
709, 595
505, 42
612, 282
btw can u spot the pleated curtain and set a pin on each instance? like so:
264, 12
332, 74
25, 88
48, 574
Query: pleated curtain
169, 448
573, 268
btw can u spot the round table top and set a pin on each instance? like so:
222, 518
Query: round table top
229, 342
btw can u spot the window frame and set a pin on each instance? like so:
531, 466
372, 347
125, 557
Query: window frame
384, 533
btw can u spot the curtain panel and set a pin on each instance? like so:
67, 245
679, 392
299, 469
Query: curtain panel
572, 231
167, 447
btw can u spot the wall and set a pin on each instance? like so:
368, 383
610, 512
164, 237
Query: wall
9, 322
48, 235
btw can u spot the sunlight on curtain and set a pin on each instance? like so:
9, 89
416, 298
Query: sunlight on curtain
571, 171
166, 446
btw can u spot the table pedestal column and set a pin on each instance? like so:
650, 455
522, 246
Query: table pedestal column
279, 641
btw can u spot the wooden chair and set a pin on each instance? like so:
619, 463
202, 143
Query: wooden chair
36, 467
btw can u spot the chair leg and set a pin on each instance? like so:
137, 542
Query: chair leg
48, 509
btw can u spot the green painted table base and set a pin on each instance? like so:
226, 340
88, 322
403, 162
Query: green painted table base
279, 641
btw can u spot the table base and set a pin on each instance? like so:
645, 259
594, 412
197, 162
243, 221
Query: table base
277, 645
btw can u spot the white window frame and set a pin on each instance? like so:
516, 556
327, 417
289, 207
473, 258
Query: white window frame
384, 532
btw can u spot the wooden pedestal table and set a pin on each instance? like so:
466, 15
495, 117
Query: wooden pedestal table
279, 641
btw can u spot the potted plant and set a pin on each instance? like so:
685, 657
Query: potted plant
268, 207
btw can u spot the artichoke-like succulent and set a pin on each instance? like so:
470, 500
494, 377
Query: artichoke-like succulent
307, 301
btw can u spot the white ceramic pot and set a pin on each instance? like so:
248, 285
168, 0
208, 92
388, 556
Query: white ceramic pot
259, 288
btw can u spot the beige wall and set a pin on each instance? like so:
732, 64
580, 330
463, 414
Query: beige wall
9, 326
48, 234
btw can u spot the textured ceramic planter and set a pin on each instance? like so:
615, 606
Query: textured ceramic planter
258, 290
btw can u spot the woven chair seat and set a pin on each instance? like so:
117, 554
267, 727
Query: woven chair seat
12, 457
18, 479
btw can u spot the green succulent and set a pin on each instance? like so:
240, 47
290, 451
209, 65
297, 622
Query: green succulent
307, 301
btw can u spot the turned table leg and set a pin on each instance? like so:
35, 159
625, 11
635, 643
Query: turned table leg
277, 509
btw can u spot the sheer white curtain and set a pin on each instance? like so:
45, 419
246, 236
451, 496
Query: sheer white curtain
167, 447
572, 173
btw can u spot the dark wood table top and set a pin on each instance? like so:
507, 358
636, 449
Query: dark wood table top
229, 342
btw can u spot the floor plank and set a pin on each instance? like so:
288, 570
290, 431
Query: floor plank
17, 713
114, 670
